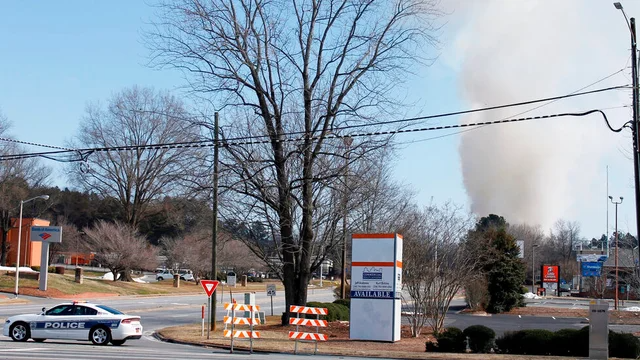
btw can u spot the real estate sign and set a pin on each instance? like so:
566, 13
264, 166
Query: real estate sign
376, 281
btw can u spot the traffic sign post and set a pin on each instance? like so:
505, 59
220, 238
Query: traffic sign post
271, 292
209, 287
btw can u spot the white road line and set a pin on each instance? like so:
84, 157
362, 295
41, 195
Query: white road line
23, 349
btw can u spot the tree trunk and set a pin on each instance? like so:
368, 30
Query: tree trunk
3, 256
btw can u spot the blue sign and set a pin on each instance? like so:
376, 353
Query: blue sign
373, 294
591, 269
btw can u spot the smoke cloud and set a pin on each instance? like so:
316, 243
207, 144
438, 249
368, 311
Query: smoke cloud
511, 51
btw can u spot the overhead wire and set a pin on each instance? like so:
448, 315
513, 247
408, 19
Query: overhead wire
367, 134
526, 111
84, 153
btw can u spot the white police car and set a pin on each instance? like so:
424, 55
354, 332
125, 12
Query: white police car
75, 321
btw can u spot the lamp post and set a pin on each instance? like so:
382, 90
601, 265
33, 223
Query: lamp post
616, 263
533, 267
631, 24
22, 202
348, 140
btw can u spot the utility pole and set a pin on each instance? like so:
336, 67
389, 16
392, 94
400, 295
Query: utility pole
634, 123
636, 148
214, 237
634, 127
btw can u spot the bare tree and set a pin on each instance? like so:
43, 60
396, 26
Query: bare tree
435, 264
136, 117
533, 237
119, 248
291, 68
17, 177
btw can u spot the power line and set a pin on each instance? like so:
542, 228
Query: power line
413, 119
530, 110
84, 153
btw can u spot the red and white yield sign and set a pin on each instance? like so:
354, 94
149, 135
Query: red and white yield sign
209, 286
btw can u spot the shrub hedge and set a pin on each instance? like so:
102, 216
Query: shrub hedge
565, 342
623, 345
334, 311
345, 302
481, 338
450, 340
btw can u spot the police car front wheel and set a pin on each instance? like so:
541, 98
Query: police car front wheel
100, 336
19, 331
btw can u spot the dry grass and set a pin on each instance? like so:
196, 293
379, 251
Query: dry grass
64, 287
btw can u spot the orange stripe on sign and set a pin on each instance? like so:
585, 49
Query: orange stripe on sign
373, 236
372, 263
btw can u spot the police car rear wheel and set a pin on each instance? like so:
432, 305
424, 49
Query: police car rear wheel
100, 336
19, 331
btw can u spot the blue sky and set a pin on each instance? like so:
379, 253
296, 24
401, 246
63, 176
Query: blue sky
57, 56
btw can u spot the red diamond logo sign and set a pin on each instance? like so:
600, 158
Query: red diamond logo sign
45, 236
209, 286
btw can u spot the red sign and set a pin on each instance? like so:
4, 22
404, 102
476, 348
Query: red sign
550, 273
209, 286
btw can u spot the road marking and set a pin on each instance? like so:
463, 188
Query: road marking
22, 349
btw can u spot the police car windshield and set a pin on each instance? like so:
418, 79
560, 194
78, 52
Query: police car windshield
111, 310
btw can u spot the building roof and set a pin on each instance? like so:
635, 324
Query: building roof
626, 258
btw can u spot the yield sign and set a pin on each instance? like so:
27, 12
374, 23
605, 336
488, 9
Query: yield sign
209, 286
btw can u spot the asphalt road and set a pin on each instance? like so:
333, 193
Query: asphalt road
164, 311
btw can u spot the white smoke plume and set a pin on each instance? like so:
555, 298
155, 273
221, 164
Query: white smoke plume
512, 51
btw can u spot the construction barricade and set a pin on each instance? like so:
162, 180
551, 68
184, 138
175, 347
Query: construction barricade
233, 320
303, 321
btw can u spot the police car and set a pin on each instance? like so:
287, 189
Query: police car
99, 324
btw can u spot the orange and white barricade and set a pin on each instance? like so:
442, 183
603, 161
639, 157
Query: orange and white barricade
298, 321
234, 320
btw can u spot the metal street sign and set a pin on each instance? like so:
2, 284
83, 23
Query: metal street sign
209, 286
591, 257
591, 269
50, 234
271, 290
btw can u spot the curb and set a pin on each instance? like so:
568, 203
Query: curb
209, 346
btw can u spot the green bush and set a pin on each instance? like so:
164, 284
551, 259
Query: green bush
537, 342
509, 343
255, 279
450, 340
570, 342
480, 337
565, 342
623, 345
35, 268
51, 269
334, 311
345, 302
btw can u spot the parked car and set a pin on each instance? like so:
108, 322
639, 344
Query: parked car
186, 275
165, 274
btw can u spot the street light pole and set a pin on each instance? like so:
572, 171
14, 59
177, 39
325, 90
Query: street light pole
616, 262
533, 268
22, 202
631, 23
